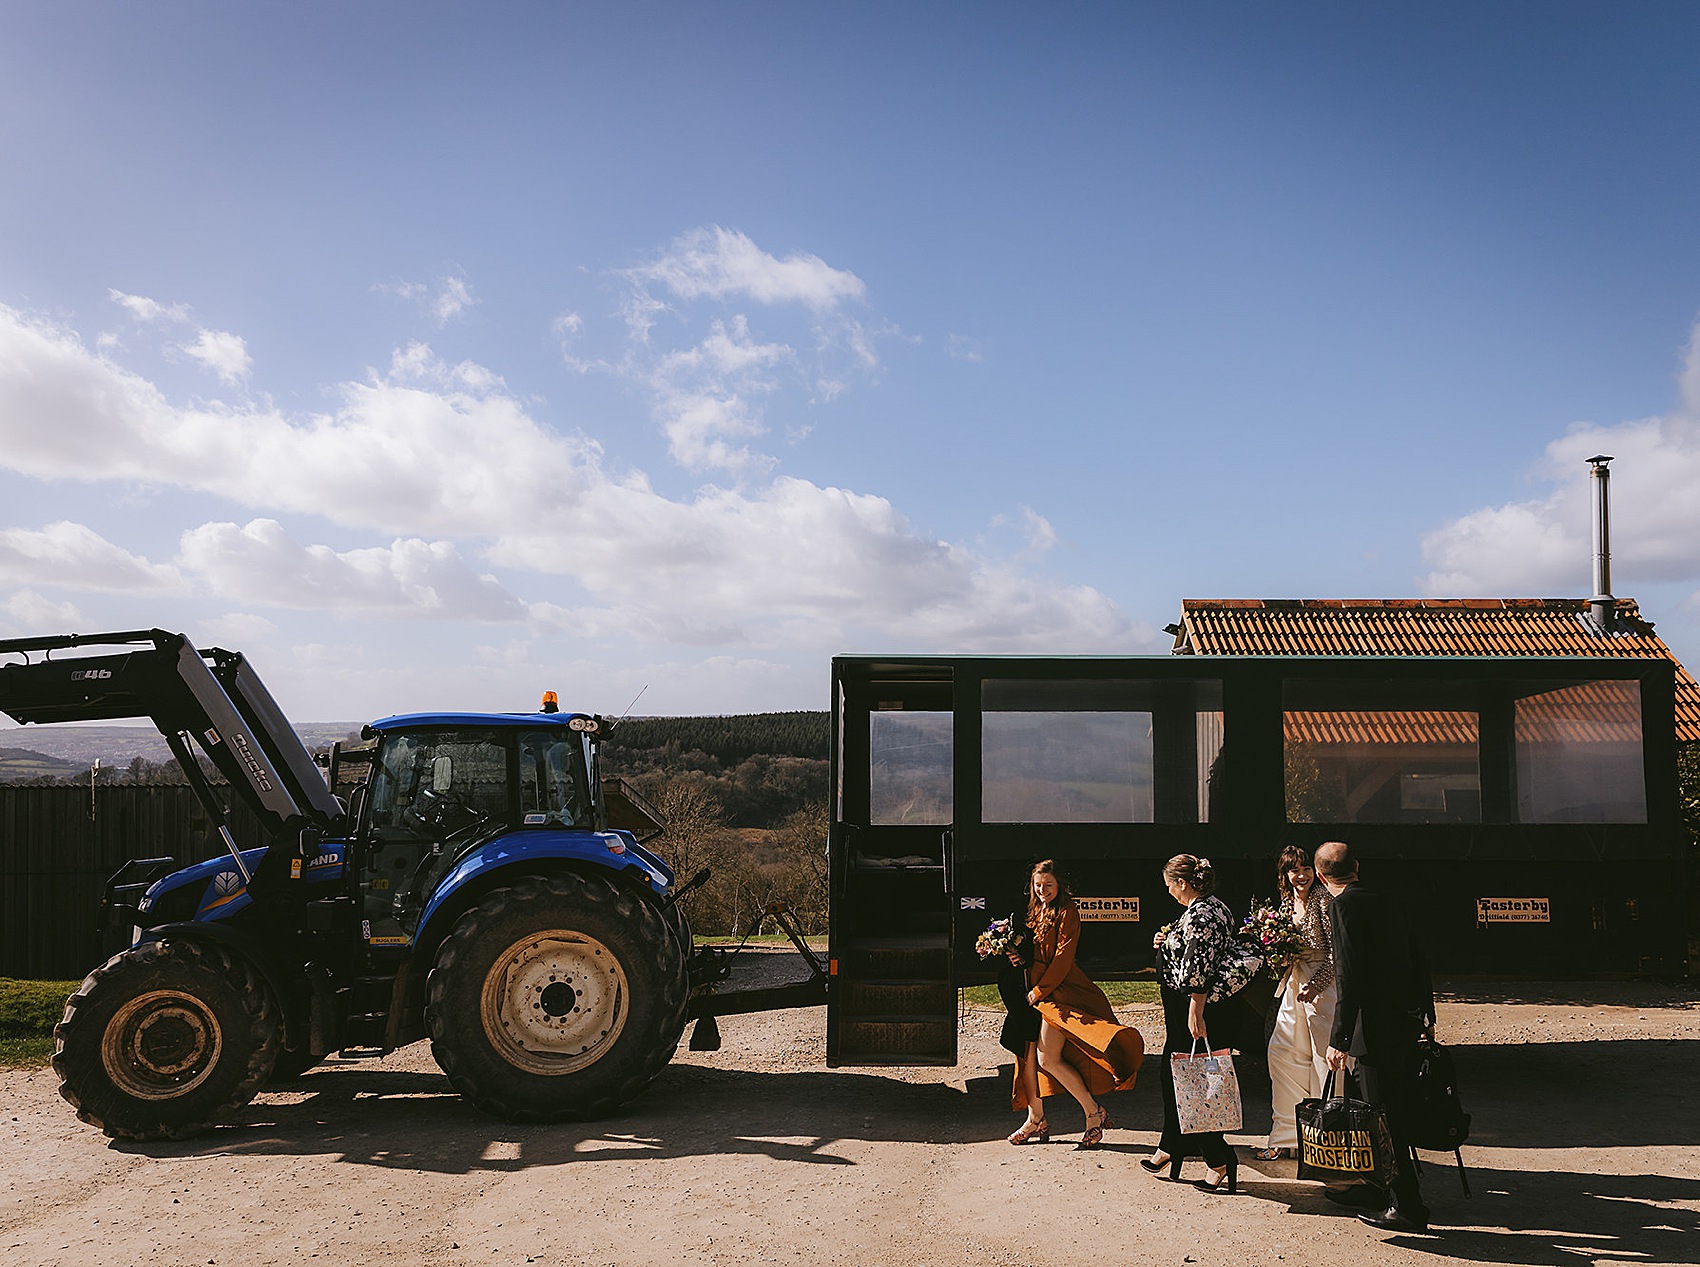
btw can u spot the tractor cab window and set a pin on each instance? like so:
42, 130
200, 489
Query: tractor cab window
434, 784
554, 790
433, 794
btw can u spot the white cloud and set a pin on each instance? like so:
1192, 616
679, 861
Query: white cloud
258, 563
236, 631
27, 614
1543, 546
961, 347
722, 263
451, 297
73, 556
148, 310
712, 392
448, 466
225, 354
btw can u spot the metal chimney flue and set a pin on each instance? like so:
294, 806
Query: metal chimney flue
1601, 606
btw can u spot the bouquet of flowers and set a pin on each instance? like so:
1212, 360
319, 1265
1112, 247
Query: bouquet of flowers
1273, 928
1001, 937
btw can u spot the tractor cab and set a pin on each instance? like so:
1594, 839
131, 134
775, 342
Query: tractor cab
441, 785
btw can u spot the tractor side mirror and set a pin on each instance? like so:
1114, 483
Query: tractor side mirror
442, 775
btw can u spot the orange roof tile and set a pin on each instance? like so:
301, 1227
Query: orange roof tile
1428, 627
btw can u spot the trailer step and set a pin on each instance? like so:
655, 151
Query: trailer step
880, 1040
865, 999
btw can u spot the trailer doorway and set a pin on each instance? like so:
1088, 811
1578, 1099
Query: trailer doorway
891, 998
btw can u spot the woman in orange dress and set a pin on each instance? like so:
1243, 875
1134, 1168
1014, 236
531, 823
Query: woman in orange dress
1081, 1049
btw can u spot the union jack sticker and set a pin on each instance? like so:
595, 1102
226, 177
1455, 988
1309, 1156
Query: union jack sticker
973, 903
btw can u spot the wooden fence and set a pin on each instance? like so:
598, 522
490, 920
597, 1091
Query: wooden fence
60, 845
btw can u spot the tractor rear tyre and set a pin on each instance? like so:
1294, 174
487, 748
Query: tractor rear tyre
560, 997
164, 1039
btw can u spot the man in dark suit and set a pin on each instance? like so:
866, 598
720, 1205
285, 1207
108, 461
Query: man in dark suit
1386, 1004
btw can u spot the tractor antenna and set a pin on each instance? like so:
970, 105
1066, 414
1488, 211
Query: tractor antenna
622, 717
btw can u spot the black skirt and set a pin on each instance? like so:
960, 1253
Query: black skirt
1021, 1022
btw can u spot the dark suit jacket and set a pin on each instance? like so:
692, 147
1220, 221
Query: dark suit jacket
1381, 973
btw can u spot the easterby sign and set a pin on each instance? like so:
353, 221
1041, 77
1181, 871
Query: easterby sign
1513, 910
1106, 909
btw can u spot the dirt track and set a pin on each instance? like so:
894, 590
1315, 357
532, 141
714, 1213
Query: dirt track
1586, 1149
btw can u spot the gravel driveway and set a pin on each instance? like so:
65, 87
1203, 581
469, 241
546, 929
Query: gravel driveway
1586, 1149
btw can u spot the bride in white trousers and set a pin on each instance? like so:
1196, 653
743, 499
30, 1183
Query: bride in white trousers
1298, 1044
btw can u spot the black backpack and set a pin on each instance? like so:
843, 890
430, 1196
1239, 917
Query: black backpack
1439, 1122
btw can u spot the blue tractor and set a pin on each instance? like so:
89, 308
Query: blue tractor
470, 890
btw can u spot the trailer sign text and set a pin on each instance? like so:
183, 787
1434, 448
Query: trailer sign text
1108, 909
1513, 910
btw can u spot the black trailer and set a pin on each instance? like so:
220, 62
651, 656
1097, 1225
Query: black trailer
1526, 810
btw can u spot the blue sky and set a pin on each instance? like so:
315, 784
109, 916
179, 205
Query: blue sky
437, 355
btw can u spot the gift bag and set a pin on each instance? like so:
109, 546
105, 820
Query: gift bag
1343, 1139
1207, 1091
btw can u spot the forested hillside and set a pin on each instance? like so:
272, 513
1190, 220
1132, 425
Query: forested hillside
758, 769
744, 796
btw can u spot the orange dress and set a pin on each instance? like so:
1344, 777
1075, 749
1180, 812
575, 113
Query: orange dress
1106, 1052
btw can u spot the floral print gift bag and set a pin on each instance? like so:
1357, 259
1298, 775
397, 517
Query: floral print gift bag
1207, 1091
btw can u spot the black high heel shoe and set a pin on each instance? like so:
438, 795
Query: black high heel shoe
1229, 1182
1172, 1164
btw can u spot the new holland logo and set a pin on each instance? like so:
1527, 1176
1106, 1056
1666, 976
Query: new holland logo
226, 882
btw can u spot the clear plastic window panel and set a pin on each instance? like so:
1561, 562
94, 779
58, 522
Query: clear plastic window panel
1374, 752
911, 760
1099, 751
1579, 755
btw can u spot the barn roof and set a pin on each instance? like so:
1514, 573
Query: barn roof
1428, 627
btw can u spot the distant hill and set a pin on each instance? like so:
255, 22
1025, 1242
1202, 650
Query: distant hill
18, 764
116, 746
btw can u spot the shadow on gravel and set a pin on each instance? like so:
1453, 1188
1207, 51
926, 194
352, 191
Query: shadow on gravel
415, 1120
1610, 1093
1559, 1217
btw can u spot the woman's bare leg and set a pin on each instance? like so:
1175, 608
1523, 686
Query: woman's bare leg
1030, 1085
1052, 1061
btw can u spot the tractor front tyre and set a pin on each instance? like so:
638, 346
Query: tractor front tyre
164, 1039
559, 997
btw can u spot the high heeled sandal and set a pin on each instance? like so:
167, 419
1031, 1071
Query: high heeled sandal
1171, 1163
1229, 1182
1032, 1132
1273, 1154
1095, 1134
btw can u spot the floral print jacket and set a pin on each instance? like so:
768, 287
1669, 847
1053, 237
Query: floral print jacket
1195, 946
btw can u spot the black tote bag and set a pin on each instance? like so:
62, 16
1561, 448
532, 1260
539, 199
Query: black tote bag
1342, 1139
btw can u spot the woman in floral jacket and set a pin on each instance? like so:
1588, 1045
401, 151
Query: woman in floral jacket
1195, 958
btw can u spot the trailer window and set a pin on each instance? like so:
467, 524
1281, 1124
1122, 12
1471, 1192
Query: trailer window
1381, 752
910, 776
1579, 757
1060, 751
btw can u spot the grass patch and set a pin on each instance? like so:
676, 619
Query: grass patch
25, 1053
764, 939
1120, 994
28, 1012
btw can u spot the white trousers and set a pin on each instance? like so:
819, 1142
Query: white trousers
1298, 1053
